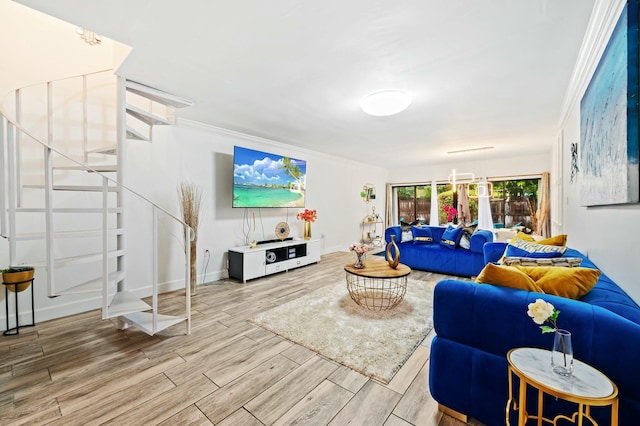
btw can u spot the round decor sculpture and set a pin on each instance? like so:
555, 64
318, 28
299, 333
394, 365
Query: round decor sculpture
393, 253
282, 230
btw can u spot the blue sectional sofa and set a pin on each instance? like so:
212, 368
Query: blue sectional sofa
436, 257
477, 324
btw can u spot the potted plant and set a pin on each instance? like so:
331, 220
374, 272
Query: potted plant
17, 274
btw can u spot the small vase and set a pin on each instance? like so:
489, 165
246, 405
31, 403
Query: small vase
393, 258
359, 261
307, 230
562, 353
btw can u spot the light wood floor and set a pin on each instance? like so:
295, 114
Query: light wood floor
80, 370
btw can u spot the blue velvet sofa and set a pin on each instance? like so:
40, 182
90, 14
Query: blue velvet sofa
435, 257
477, 324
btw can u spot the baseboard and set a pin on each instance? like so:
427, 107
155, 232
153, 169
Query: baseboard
453, 413
59, 307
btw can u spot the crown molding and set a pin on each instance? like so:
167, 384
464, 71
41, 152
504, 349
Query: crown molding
603, 20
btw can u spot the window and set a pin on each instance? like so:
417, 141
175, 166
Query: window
413, 202
513, 202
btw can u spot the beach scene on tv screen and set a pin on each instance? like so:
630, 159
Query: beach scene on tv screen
261, 179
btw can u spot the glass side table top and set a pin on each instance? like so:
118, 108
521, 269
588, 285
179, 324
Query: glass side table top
586, 381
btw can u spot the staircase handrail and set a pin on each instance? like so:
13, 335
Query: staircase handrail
86, 166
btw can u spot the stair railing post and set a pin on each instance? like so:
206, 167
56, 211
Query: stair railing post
154, 265
3, 188
19, 148
48, 214
105, 248
11, 185
187, 274
85, 120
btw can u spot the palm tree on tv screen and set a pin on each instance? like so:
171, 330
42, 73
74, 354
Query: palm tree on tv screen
291, 169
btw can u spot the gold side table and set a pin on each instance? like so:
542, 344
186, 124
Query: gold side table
587, 388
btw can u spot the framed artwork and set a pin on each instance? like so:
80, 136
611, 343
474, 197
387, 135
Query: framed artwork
574, 162
609, 120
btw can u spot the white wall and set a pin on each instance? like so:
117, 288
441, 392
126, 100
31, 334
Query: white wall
476, 164
204, 155
607, 233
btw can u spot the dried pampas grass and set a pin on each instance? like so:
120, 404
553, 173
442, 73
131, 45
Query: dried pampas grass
190, 196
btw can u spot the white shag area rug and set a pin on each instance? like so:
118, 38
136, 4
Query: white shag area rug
373, 343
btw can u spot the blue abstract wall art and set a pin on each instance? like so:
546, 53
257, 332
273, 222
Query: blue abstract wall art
609, 120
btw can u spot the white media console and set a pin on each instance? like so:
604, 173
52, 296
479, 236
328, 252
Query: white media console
247, 263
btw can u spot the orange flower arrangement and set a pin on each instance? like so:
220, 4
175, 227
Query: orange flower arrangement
307, 215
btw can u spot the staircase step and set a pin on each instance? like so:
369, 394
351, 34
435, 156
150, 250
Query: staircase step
124, 303
85, 258
144, 321
91, 233
147, 117
136, 135
75, 188
110, 150
102, 168
157, 95
94, 285
69, 210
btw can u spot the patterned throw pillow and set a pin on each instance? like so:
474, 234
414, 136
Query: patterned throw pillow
567, 262
421, 235
520, 248
451, 237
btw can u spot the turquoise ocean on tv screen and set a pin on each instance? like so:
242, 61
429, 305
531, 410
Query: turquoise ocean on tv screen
260, 196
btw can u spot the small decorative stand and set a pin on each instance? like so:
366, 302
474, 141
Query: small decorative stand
585, 388
16, 329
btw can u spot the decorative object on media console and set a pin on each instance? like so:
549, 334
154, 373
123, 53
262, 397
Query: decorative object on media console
361, 252
308, 216
282, 230
562, 353
393, 258
190, 197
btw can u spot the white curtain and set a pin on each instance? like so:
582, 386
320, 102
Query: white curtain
485, 220
433, 219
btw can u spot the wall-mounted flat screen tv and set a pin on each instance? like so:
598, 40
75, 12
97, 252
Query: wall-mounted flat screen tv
261, 179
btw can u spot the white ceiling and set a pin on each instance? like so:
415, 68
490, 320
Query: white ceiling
481, 73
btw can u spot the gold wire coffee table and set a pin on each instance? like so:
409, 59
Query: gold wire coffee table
377, 286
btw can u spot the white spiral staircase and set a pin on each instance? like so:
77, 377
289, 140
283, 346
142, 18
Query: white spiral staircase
63, 203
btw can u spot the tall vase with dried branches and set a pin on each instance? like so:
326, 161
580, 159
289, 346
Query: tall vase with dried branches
190, 196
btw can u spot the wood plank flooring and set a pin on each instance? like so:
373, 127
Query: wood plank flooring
81, 370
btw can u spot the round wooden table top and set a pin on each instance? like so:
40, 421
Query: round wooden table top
378, 269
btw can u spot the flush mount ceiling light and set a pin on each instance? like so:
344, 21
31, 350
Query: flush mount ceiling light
385, 102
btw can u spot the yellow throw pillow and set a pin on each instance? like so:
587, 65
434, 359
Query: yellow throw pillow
507, 276
522, 236
558, 240
572, 283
